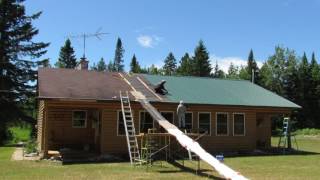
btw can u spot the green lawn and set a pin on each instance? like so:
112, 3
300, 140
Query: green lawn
19, 133
262, 167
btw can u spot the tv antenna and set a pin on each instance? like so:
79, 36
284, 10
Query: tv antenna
84, 36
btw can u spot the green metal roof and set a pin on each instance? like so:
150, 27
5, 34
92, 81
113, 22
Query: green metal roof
200, 90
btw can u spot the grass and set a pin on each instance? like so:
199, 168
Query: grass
257, 167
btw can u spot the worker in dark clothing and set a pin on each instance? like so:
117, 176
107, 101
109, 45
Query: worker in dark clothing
160, 89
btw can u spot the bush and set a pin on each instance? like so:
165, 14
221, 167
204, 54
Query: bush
31, 146
308, 132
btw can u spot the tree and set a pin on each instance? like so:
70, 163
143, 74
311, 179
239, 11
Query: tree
153, 69
218, 73
201, 62
185, 67
111, 67
134, 65
233, 72
67, 58
18, 59
315, 90
170, 64
251, 66
118, 57
101, 66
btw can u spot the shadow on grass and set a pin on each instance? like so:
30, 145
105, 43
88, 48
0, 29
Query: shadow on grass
201, 172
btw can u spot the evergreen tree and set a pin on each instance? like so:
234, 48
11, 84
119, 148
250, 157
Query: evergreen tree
233, 72
111, 67
304, 92
185, 67
153, 70
315, 90
118, 57
201, 62
134, 65
170, 64
218, 73
67, 59
251, 65
101, 66
18, 59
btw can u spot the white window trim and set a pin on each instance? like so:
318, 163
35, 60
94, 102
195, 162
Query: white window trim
217, 124
140, 120
192, 118
244, 124
85, 122
209, 121
124, 127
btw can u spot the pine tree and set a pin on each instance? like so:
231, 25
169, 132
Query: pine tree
118, 57
218, 73
233, 72
18, 59
67, 58
111, 67
101, 66
185, 67
170, 64
201, 62
252, 66
134, 65
153, 69
315, 90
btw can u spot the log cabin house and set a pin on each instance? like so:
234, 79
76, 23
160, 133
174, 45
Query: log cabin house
80, 109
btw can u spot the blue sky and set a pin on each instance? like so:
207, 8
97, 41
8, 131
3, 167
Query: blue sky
151, 29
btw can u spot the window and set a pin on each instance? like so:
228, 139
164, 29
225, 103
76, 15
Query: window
222, 124
79, 119
204, 122
188, 120
146, 122
121, 130
168, 116
238, 124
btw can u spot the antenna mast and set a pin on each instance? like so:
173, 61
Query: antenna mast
97, 34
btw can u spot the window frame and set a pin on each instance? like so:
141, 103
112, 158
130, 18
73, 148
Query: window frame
123, 124
191, 118
209, 121
143, 111
227, 124
173, 114
244, 124
85, 120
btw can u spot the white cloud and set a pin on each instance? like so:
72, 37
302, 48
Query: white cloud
148, 41
224, 62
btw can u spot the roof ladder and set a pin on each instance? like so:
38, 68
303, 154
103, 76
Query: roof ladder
128, 122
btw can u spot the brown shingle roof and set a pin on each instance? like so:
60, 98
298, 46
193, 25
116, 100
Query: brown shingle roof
80, 84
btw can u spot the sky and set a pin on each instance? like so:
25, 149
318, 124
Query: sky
152, 29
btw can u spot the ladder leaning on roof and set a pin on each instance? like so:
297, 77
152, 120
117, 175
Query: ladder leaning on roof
132, 142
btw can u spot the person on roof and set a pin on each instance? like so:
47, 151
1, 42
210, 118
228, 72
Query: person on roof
160, 89
181, 111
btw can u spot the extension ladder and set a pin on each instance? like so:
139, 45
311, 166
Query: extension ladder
128, 122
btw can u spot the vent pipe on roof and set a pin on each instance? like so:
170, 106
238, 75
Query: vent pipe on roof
83, 64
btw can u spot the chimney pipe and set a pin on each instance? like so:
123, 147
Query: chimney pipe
83, 64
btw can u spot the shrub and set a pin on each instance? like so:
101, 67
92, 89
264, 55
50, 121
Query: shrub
31, 146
